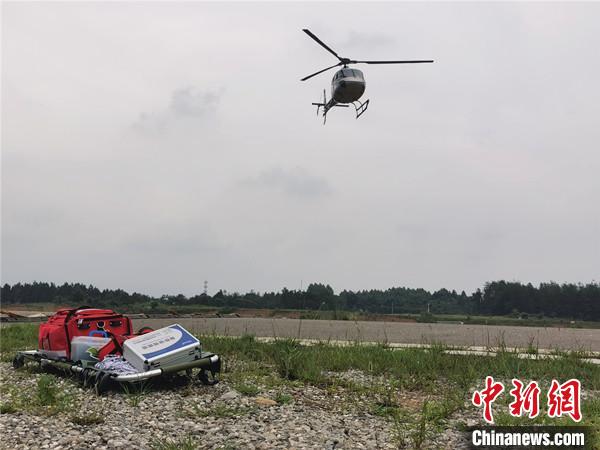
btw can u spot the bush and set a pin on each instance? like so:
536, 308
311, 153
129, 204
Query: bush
187, 443
295, 362
227, 310
247, 389
7, 408
426, 317
283, 399
46, 390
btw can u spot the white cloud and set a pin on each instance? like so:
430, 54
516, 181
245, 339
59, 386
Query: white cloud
294, 182
479, 166
186, 104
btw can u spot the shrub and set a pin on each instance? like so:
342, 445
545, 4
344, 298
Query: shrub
46, 390
247, 389
295, 362
426, 317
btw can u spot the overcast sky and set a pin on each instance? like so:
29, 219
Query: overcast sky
151, 146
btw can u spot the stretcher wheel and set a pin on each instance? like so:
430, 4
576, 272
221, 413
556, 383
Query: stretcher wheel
18, 361
84, 376
102, 380
203, 378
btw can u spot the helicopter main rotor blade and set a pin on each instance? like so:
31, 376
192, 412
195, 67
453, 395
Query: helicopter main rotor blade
320, 71
395, 62
321, 43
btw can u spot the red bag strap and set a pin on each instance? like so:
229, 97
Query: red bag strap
144, 330
115, 346
70, 313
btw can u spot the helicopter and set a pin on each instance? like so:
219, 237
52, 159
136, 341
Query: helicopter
348, 84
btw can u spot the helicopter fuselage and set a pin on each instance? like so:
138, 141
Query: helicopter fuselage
347, 85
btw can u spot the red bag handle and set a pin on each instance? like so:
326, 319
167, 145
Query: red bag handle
67, 317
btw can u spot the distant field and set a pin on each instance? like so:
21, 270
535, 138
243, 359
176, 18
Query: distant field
394, 332
203, 310
405, 332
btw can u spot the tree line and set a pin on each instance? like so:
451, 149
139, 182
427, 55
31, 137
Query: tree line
573, 301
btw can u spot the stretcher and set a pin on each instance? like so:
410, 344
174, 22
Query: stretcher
209, 365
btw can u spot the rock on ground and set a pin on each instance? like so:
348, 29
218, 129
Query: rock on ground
211, 416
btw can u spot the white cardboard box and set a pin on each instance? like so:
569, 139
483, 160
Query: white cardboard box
161, 348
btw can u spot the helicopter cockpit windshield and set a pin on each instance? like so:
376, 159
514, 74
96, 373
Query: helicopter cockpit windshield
348, 73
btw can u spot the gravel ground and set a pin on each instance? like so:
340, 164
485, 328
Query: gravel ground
313, 418
396, 332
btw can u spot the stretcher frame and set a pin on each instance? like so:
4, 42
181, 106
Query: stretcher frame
100, 380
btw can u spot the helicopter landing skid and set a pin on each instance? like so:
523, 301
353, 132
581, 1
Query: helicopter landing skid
361, 108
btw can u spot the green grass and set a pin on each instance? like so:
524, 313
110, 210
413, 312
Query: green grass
447, 381
283, 398
46, 399
289, 358
417, 431
530, 321
247, 389
87, 419
413, 426
413, 368
47, 392
442, 383
135, 392
8, 408
187, 443
330, 315
17, 337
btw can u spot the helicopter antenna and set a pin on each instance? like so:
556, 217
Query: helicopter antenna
346, 61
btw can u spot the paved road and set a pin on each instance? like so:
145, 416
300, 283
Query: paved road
396, 332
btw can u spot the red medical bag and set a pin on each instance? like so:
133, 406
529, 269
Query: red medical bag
55, 335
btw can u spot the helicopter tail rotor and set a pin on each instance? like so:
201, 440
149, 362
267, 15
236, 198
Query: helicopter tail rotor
328, 104
324, 105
